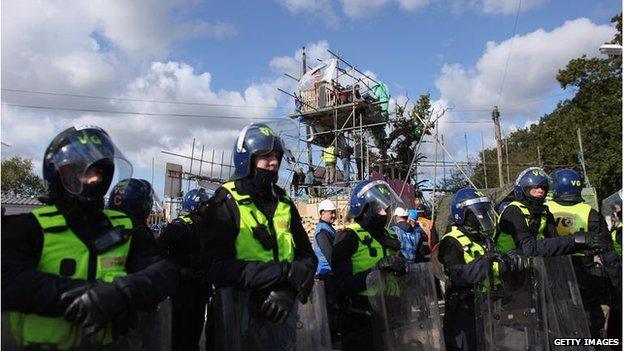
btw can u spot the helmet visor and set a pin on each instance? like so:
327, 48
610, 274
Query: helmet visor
380, 196
480, 214
88, 166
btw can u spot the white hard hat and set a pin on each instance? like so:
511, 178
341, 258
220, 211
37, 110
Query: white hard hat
327, 205
400, 212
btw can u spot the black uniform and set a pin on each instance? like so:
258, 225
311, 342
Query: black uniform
512, 221
593, 279
221, 224
150, 278
355, 316
182, 243
459, 308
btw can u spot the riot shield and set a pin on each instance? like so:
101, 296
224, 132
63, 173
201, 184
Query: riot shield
564, 307
8, 341
238, 326
510, 313
313, 324
152, 331
405, 310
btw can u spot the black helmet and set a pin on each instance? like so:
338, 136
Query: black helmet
134, 197
80, 163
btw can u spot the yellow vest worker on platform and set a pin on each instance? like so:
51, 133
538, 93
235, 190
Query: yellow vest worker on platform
329, 157
256, 241
73, 274
366, 244
572, 215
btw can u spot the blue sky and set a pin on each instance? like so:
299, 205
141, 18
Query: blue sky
234, 53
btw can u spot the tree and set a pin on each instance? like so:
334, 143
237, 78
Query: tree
405, 135
596, 109
18, 178
452, 184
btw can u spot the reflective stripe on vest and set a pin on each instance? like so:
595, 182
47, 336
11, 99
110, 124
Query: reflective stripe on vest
186, 219
248, 248
323, 267
329, 154
616, 246
60, 246
471, 249
505, 242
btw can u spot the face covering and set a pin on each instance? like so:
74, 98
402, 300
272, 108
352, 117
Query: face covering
263, 180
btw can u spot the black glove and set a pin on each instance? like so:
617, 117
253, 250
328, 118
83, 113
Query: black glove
94, 307
394, 264
277, 305
592, 240
390, 243
300, 277
513, 262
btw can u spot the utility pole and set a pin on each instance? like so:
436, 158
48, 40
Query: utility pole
309, 132
539, 157
466, 143
483, 161
507, 160
499, 144
188, 185
582, 157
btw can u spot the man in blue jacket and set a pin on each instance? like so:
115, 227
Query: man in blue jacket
324, 235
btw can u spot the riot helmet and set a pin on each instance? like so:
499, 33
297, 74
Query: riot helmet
256, 139
474, 211
567, 185
194, 198
81, 163
134, 197
531, 178
367, 200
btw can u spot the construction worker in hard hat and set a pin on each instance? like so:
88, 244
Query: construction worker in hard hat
324, 236
407, 234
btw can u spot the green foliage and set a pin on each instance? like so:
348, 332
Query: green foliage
406, 132
596, 109
18, 178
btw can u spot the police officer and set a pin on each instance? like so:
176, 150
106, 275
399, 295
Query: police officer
527, 224
134, 197
256, 241
572, 215
181, 240
466, 253
73, 274
364, 245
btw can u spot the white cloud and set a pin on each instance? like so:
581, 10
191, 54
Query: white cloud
535, 59
363, 9
509, 6
321, 9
